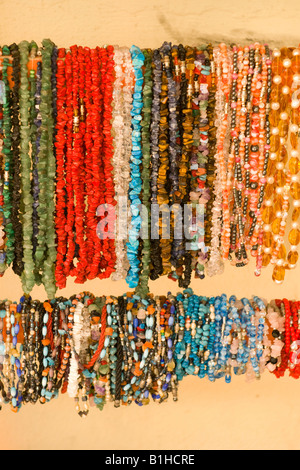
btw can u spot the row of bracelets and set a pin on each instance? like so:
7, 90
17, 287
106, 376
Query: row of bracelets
131, 349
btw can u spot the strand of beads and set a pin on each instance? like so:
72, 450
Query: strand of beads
36, 129
263, 108
156, 264
136, 159
77, 168
2, 220
294, 233
211, 169
123, 87
107, 264
8, 160
16, 183
187, 143
176, 130
223, 72
240, 132
277, 197
276, 322
200, 196
75, 317
167, 154
96, 196
61, 196
27, 200
146, 122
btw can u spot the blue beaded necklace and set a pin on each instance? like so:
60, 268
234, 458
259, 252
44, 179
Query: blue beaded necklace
135, 185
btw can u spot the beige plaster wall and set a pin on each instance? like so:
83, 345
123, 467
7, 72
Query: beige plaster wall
259, 415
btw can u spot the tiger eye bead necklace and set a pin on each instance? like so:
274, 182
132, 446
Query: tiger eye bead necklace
185, 264
156, 263
143, 288
163, 189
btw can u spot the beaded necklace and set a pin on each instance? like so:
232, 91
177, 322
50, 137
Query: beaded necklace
74, 318
65, 341
54, 363
107, 73
199, 194
263, 107
18, 264
163, 375
187, 145
142, 288
78, 174
294, 233
180, 346
135, 185
191, 362
36, 135
70, 243
210, 168
215, 264
174, 164
146, 354
95, 250
218, 307
127, 330
47, 118
254, 354
30, 323
163, 188
47, 360
6, 362
2, 220
15, 356
294, 367
262, 332
120, 351
61, 193
156, 268
28, 280
284, 356
173, 150
113, 325
226, 338
275, 211
87, 115
122, 99
181, 256
238, 158
8, 160
98, 365
2, 352
276, 322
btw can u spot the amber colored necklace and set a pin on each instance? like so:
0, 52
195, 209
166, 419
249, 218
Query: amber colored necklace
283, 168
